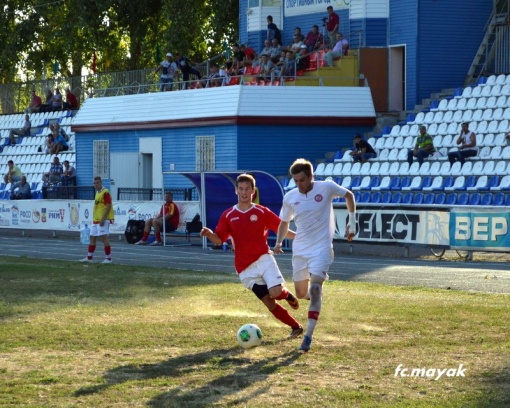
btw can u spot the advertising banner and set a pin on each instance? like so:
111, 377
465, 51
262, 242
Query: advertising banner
484, 229
397, 225
65, 215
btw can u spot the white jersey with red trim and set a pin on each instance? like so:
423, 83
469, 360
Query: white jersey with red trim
313, 216
249, 230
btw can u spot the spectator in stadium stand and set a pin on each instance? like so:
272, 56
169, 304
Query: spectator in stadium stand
35, 103
296, 44
24, 131
266, 69
236, 61
49, 143
314, 39
272, 30
467, 145
219, 76
185, 65
303, 58
332, 25
362, 152
170, 212
69, 171
59, 142
56, 100
337, 51
276, 51
21, 190
13, 174
46, 106
423, 148
288, 66
297, 31
71, 102
55, 173
266, 50
249, 54
169, 71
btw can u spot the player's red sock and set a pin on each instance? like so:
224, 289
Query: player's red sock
108, 251
284, 316
145, 236
92, 248
158, 236
283, 295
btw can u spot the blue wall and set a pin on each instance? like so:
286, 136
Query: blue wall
274, 148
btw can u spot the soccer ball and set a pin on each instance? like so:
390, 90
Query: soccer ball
249, 336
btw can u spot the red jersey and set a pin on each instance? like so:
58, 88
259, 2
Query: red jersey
249, 230
171, 208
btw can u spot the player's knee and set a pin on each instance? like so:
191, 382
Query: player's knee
315, 290
275, 291
302, 293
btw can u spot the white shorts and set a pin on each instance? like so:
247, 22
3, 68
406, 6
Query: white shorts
97, 230
264, 271
317, 265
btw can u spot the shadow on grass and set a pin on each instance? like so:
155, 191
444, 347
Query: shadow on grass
243, 373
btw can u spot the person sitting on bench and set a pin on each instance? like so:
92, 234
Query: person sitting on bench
170, 211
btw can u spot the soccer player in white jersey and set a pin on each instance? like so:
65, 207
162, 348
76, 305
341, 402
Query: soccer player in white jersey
248, 225
310, 205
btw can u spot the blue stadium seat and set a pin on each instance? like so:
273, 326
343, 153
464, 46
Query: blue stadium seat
365, 197
440, 198
418, 198
376, 197
357, 196
463, 199
394, 185
486, 199
356, 181
386, 198
396, 198
493, 182
284, 182
451, 199
507, 200
458, 92
338, 155
405, 182
428, 198
474, 199
375, 181
338, 180
448, 182
407, 198
498, 199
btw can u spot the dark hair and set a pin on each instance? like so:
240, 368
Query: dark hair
245, 178
330, 8
357, 135
315, 26
270, 18
301, 165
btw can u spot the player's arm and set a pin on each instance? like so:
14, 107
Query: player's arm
211, 236
103, 218
283, 230
350, 229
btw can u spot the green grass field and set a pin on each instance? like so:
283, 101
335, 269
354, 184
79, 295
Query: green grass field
116, 336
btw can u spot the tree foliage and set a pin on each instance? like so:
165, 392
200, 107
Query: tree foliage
46, 38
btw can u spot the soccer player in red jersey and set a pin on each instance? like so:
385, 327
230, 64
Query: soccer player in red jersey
248, 225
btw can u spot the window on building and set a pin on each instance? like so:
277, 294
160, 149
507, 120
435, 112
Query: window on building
101, 160
205, 153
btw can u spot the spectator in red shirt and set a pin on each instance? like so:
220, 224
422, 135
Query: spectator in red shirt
35, 104
71, 102
248, 224
332, 25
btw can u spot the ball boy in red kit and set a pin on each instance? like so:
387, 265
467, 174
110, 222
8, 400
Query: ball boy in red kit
248, 224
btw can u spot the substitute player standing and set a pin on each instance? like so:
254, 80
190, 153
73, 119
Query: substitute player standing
101, 219
310, 205
248, 225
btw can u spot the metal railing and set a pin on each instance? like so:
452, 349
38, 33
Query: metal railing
156, 194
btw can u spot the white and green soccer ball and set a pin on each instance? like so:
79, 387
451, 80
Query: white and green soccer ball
249, 335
